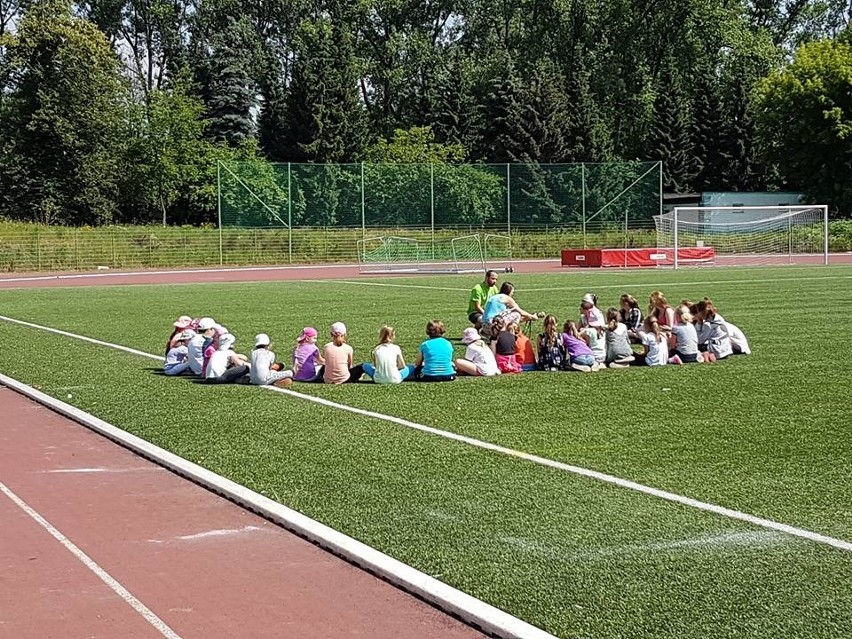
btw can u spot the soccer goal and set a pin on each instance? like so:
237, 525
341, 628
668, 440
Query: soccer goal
743, 235
382, 255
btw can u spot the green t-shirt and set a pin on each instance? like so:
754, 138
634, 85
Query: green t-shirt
480, 294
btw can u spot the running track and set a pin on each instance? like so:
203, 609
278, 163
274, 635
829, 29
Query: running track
176, 560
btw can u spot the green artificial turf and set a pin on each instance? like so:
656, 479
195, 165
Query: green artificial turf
766, 434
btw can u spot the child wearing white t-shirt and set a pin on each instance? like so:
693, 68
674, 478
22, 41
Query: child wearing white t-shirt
388, 366
655, 342
226, 366
479, 360
262, 361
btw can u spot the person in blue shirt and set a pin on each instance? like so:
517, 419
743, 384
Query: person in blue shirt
434, 362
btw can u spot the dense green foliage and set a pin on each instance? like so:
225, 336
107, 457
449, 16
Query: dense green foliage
117, 110
765, 434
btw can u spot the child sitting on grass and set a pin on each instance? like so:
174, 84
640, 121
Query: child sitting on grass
177, 359
262, 364
551, 353
338, 354
388, 365
654, 340
478, 358
183, 323
580, 356
434, 360
619, 353
685, 338
524, 353
504, 351
307, 360
225, 366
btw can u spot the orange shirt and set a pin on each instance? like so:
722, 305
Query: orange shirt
523, 350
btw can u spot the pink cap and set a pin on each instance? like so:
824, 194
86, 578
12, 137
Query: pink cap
338, 328
184, 321
307, 332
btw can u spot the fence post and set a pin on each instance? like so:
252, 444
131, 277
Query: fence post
112, 240
289, 217
583, 204
38, 249
77, 247
363, 207
508, 200
219, 205
432, 203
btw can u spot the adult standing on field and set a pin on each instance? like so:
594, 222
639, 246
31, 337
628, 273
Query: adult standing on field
479, 296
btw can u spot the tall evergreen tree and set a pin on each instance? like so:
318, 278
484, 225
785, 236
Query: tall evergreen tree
669, 140
710, 134
230, 88
324, 118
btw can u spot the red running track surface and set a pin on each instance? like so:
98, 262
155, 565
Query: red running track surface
204, 566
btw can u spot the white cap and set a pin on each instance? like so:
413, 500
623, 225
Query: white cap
187, 334
338, 328
588, 298
226, 341
261, 339
206, 323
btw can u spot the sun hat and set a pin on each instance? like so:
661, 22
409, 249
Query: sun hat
226, 341
338, 328
187, 333
469, 335
588, 298
184, 321
261, 339
310, 331
206, 323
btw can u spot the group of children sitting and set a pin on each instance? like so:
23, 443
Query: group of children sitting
690, 332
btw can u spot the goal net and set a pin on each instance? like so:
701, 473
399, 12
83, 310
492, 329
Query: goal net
391, 254
743, 235
497, 251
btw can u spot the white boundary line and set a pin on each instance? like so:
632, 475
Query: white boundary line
543, 461
473, 611
87, 561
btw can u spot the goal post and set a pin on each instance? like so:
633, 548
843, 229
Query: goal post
392, 254
744, 235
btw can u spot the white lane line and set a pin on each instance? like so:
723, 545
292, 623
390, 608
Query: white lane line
663, 285
543, 461
87, 561
584, 472
221, 532
93, 470
247, 269
81, 337
493, 621
388, 284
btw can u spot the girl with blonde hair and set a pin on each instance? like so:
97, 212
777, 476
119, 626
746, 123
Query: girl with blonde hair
388, 366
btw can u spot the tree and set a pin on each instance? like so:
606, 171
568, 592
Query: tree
804, 121
324, 120
62, 121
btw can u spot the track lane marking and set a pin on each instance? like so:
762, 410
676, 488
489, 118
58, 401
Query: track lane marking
87, 561
730, 513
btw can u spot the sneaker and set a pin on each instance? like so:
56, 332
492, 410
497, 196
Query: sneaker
282, 383
618, 365
675, 359
581, 368
598, 366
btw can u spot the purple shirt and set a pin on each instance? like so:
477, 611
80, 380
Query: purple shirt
575, 347
306, 356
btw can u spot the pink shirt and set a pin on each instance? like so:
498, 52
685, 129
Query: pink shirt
337, 360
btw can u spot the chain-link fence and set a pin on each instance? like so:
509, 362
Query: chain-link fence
433, 199
304, 213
